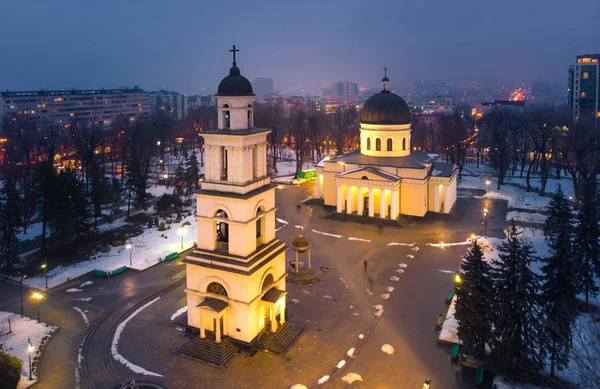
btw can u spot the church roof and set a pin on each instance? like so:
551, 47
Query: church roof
248, 131
370, 169
213, 304
443, 169
235, 84
415, 160
273, 295
385, 108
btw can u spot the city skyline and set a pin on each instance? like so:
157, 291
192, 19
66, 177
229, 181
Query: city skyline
300, 46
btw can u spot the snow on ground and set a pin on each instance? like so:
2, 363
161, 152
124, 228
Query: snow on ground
83, 315
147, 248
449, 332
323, 379
24, 329
341, 364
326, 234
388, 349
115, 343
526, 217
401, 244
118, 223
444, 245
501, 383
359, 239
73, 290
179, 312
298, 386
32, 231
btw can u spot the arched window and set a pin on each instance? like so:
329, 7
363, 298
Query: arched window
216, 288
369, 143
267, 282
222, 230
403, 143
389, 144
226, 117
364, 178
378, 144
250, 124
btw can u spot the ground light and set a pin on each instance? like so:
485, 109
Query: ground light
30, 349
181, 233
129, 247
488, 183
38, 297
485, 214
457, 279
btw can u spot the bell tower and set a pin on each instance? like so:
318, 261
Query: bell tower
236, 274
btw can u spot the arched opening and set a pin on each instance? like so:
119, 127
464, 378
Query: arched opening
250, 116
224, 163
389, 144
222, 243
260, 226
403, 143
226, 117
267, 282
216, 288
369, 143
378, 144
364, 178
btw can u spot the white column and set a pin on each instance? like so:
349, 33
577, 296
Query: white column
361, 201
273, 321
340, 198
382, 204
371, 202
202, 331
218, 330
349, 198
394, 200
282, 314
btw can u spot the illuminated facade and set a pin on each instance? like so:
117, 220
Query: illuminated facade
385, 178
61, 107
584, 83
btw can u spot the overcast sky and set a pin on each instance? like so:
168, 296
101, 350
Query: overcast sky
183, 45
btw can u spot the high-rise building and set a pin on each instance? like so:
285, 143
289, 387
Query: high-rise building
263, 86
584, 83
173, 102
61, 107
345, 90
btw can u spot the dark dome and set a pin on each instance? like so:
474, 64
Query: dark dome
235, 84
385, 108
300, 244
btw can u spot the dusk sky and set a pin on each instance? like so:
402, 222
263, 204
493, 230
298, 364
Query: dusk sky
183, 45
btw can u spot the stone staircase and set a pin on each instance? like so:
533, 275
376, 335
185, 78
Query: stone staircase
281, 341
207, 351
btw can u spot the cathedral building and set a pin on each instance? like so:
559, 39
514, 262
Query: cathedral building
236, 274
384, 178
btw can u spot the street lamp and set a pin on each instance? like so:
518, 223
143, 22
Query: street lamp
181, 233
128, 247
488, 183
30, 349
38, 297
485, 213
457, 279
45, 267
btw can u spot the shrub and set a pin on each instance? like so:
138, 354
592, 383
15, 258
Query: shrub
105, 249
10, 371
186, 224
170, 221
168, 227
167, 201
162, 227
177, 221
116, 243
150, 223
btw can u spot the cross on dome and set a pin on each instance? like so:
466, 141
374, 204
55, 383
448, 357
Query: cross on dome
385, 69
233, 51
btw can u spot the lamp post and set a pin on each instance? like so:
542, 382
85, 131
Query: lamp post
181, 233
38, 297
488, 183
30, 349
21, 291
45, 267
485, 214
128, 247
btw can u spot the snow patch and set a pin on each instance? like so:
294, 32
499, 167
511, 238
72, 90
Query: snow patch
83, 315
327, 234
401, 244
84, 299
350, 352
410, 256
359, 239
388, 349
341, 364
298, 386
389, 289
115, 342
323, 379
399, 271
446, 271
449, 332
526, 217
282, 221
444, 245
360, 336
385, 296
415, 249
351, 377
87, 283
73, 290
394, 278
403, 265
179, 312
344, 281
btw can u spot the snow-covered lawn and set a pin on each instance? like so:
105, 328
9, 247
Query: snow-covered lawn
449, 332
147, 248
526, 217
24, 329
32, 231
516, 197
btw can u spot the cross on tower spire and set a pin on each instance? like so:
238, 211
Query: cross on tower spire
233, 51
385, 69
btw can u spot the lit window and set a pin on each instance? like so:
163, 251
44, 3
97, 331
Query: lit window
583, 94
586, 75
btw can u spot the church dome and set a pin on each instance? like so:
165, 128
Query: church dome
385, 108
235, 84
300, 244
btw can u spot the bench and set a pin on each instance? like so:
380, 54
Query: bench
449, 296
171, 256
119, 270
38, 237
24, 242
99, 273
479, 375
440, 320
455, 351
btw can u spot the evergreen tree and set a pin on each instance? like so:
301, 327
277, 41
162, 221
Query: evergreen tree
516, 347
559, 283
192, 174
179, 179
68, 207
587, 249
473, 303
10, 221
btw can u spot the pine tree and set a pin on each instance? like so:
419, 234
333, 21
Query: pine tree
68, 210
587, 249
559, 283
10, 221
179, 180
516, 345
473, 303
192, 173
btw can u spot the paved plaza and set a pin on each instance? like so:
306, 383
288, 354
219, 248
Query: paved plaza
336, 310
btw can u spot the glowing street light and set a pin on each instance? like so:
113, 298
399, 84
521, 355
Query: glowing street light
457, 279
38, 297
488, 183
129, 247
485, 214
45, 267
30, 349
181, 233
